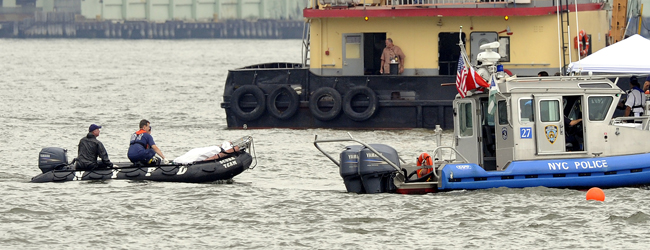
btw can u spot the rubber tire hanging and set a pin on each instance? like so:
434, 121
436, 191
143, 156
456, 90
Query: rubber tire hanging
368, 112
259, 107
294, 102
325, 115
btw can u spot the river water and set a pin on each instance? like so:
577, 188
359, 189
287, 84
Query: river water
52, 90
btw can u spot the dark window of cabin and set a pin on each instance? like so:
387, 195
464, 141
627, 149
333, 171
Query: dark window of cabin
598, 107
503, 112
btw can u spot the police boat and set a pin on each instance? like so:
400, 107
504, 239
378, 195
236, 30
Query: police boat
53, 162
557, 132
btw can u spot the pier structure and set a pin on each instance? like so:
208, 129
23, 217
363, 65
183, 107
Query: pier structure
152, 19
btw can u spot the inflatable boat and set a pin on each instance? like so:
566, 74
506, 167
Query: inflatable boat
54, 165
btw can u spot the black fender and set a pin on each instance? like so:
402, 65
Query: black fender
314, 106
370, 109
239, 94
294, 102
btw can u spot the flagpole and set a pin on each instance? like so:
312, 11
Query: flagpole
463, 52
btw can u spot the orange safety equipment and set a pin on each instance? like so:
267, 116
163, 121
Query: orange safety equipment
424, 160
581, 42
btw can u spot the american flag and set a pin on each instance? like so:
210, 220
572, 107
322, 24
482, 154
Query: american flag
461, 76
467, 78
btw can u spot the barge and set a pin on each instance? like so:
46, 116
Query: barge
338, 84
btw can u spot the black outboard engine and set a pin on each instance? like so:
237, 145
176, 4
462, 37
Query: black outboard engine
52, 158
350, 169
364, 172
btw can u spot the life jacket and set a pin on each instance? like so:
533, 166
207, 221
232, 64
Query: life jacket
424, 160
136, 139
635, 98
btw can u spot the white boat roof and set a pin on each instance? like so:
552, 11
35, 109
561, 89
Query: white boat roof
559, 84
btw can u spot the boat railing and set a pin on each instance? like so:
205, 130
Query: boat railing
439, 162
370, 4
426, 3
437, 2
640, 122
352, 139
275, 65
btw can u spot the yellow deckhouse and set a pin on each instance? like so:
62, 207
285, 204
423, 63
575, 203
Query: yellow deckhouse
347, 37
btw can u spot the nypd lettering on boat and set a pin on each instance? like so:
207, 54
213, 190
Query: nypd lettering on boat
78, 175
463, 167
577, 165
115, 172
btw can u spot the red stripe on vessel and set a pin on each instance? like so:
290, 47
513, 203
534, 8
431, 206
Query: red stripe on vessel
416, 190
434, 12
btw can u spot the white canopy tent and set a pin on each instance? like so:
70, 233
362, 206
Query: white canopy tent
631, 55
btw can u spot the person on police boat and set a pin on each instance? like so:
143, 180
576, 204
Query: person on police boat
635, 99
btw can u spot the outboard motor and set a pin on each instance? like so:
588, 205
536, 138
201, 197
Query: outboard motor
364, 172
350, 169
52, 158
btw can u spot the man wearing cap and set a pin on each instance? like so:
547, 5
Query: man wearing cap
89, 149
142, 148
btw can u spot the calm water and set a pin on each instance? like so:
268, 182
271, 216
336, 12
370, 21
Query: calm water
52, 90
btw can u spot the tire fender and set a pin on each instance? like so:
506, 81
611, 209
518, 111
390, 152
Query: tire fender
259, 107
294, 102
370, 110
336, 106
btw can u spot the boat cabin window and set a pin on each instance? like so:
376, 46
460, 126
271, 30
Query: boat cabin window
549, 110
504, 48
526, 110
599, 85
503, 112
465, 119
598, 107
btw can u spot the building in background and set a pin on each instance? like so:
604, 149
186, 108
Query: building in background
152, 18
637, 19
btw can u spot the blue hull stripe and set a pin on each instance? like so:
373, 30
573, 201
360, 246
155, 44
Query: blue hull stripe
614, 171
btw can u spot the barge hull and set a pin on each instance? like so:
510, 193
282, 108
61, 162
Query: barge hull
401, 101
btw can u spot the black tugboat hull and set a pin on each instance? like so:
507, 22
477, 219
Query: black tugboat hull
396, 102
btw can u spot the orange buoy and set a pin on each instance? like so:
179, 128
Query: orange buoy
595, 193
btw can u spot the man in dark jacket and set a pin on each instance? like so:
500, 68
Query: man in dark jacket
89, 149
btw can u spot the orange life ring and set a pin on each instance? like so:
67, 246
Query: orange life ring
424, 160
581, 42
